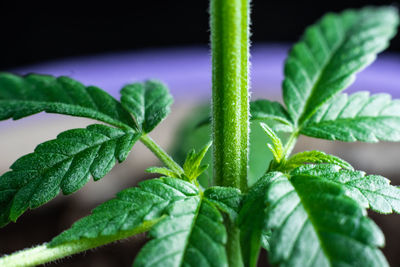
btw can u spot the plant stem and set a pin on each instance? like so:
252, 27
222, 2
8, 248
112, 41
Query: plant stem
229, 20
45, 253
161, 154
233, 249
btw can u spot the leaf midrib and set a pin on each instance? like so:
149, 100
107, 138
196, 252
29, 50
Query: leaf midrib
55, 105
304, 118
310, 218
352, 119
192, 226
377, 192
334, 50
68, 157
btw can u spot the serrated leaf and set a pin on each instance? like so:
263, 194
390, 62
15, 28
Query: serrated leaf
268, 110
358, 117
226, 199
64, 163
148, 102
277, 148
314, 223
133, 208
22, 96
192, 168
370, 191
251, 219
313, 157
329, 55
193, 234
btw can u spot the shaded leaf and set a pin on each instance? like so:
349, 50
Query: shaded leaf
251, 219
164, 171
226, 199
134, 208
313, 157
148, 102
268, 110
192, 235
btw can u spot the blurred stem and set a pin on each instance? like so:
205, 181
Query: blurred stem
233, 249
290, 144
229, 21
161, 154
45, 253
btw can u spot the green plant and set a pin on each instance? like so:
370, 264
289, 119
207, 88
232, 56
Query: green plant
308, 209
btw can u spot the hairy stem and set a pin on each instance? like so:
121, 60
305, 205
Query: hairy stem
229, 20
45, 253
161, 154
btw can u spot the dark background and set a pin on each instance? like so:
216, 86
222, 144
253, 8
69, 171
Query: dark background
39, 32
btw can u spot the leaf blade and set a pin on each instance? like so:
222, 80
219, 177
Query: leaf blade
227, 199
192, 234
149, 103
266, 110
356, 117
323, 224
131, 209
370, 191
64, 163
22, 96
313, 157
329, 55
251, 219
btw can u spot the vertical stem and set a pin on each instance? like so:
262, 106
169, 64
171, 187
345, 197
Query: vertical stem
233, 249
230, 98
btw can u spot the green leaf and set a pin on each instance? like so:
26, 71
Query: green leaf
64, 163
164, 171
277, 147
251, 219
22, 96
226, 199
268, 110
314, 223
313, 157
265, 238
358, 117
132, 209
370, 191
192, 168
193, 234
149, 103
329, 55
